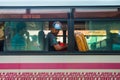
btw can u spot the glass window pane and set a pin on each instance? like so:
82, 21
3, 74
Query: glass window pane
97, 12
30, 36
51, 13
100, 35
37, 11
12, 11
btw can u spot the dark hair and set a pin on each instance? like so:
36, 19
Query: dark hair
20, 26
2, 23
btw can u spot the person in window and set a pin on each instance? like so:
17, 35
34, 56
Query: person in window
53, 45
1, 36
115, 41
19, 42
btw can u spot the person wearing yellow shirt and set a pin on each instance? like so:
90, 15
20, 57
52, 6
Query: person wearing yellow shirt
1, 36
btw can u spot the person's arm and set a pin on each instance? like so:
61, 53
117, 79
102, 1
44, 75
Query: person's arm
59, 48
55, 44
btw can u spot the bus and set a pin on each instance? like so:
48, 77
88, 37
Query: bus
100, 30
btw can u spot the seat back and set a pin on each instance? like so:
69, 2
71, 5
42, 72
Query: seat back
46, 44
81, 42
41, 40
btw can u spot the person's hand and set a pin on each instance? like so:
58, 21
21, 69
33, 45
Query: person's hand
63, 44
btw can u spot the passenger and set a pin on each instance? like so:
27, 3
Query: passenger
115, 41
18, 41
53, 45
1, 36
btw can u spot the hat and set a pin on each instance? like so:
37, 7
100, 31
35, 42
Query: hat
57, 25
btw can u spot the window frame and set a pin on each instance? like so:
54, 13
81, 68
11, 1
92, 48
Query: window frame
70, 21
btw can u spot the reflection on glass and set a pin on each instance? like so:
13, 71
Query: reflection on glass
28, 36
23, 36
101, 35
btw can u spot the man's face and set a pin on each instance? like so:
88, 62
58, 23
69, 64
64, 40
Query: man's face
55, 31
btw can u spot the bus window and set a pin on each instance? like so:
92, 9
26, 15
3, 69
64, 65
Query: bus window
23, 36
101, 34
30, 36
